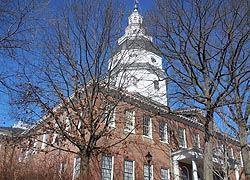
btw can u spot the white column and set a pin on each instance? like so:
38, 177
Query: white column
194, 169
176, 169
236, 171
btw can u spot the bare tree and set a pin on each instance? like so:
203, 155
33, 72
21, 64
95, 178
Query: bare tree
72, 84
20, 22
202, 42
238, 104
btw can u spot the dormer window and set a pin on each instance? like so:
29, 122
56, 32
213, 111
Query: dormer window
156, 85
132, 55
153, 60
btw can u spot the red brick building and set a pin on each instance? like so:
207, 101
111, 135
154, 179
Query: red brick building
142, 118
174, 139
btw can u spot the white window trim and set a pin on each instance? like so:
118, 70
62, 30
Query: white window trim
185, 140
232, 153
61, 169
152, 170
80, 121
150, 129
112, 168
55, 134
127, 129
27, 153
20, 155
68, 124
44, 143
168, 173
133, 168
54, 137
111, 119
199, 143
165, 133
35, 146
241, 160
77, 163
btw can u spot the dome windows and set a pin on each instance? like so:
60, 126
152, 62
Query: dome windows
153, 60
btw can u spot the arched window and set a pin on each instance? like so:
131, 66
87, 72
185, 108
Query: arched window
184, 173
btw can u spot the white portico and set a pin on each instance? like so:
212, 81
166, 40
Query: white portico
137, 64
187, 164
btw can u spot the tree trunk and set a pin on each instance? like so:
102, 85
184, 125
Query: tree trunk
11, 159
208, 150
244, 149
4, 162
84, 167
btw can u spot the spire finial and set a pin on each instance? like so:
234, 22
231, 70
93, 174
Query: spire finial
136, 5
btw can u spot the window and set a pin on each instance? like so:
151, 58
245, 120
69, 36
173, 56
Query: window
220, 150
182, 138
196, 140
133, 55
63, 167
153, 60
44, 143
130, 121
147, 126
109, 116
76, 171
35, 146
163, 131
156, 85
148, 172
107, 167
134, 80
68, 125
240, 159
55, 134
20, 155
164, 174
27, 154
80, 124
128, 170
54, 137
184, 173
231, 154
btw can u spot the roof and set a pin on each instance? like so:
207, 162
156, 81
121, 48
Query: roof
139, 43
9, 131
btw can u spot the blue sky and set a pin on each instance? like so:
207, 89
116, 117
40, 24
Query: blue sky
6, 111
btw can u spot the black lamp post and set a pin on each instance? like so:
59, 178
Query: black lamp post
149, 159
